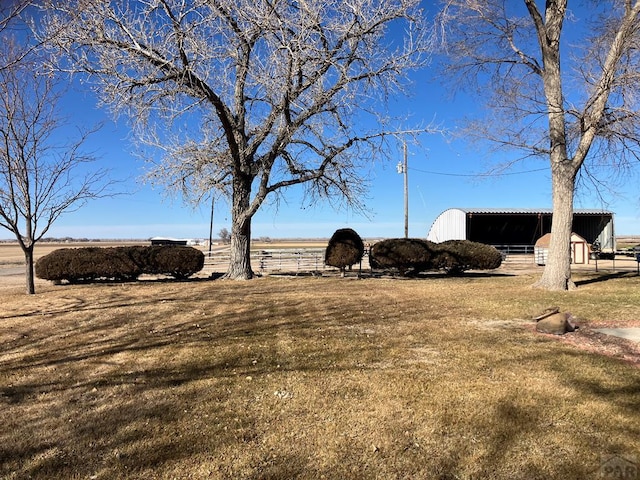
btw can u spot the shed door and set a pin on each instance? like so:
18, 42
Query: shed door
578, 252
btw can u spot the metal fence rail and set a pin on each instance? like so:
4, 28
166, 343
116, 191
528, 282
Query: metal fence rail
515, 249
276, 260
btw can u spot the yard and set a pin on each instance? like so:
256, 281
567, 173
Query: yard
318, 377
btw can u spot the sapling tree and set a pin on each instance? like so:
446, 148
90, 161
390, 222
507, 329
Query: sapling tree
41, 176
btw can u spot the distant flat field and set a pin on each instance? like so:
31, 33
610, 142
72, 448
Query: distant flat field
11, 254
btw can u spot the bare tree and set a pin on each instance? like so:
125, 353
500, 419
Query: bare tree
249, 97
572, 98
10, 15
10, 11
40, 178
224, 235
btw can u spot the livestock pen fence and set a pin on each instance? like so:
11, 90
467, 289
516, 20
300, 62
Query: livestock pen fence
299, 260
290, 260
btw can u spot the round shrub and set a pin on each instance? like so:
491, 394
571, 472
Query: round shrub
408, 255
345, 248
457, 256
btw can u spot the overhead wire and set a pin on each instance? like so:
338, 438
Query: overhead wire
477, 174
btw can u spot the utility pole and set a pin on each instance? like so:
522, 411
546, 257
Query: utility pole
402, 168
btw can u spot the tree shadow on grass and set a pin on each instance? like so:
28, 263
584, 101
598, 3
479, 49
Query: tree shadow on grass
521, 416
595, 278
135, 417
123, 397
388, 274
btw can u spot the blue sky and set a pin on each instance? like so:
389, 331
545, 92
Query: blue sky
443, 173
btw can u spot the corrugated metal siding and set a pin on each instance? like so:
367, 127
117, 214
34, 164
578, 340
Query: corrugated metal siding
607, 237
450, 225
582, 211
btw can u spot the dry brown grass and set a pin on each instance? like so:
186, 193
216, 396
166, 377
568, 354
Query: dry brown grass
310, 378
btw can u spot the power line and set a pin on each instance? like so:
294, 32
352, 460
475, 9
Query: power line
477, 174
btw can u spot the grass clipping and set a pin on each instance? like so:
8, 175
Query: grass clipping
314, 378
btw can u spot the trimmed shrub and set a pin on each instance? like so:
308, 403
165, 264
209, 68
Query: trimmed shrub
345, 249
118, 263
413, 255
408, 255
456, 256
179, 262
86, 264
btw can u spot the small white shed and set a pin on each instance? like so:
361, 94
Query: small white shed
579, 249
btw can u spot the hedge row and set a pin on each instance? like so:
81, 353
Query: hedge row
118, 263
413, 255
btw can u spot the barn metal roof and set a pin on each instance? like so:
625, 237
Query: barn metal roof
581, 211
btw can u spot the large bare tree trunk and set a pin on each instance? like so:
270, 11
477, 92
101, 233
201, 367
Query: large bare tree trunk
240, 262
557, 271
